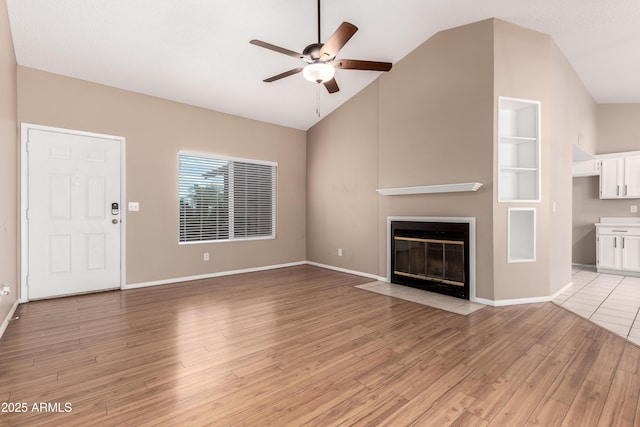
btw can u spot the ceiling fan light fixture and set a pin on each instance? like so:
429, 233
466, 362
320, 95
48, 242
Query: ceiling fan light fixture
319, 72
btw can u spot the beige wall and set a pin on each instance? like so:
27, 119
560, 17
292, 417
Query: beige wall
8, 168
155, 130
342, 176
522, 70
436, 112
618, 128
617, 131
573, 122
529, 65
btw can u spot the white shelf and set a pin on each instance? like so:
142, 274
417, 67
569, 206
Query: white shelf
517, 139
517, 170
428, 189
518, 150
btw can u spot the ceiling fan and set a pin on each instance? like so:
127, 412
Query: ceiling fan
321, 58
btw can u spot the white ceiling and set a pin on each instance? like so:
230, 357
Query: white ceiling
198, 52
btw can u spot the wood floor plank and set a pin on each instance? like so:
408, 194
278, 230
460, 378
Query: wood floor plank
607, 361
303, 346
569, 382
492, 398
526, 398
367, 407
630, 360
466, 419
549, 412
621, 405
424, 401
587, 405
447, 410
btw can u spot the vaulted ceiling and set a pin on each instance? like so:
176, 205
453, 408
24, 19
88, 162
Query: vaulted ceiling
198, 52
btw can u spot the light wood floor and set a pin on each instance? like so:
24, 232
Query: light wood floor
302, 346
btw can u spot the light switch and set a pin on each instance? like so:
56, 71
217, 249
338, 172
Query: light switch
634, 208
134, 206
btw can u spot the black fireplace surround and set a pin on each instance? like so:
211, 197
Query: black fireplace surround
433, 256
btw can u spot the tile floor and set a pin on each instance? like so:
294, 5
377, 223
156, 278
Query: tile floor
443, 302
608, 300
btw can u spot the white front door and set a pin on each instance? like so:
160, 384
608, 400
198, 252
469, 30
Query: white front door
73, 220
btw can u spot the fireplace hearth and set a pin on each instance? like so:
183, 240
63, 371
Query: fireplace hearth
433, 256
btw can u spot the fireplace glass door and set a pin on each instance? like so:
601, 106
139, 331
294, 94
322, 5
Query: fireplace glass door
430, 259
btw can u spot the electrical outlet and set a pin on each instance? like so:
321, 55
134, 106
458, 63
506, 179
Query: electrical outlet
339, 251
634, 208
206, 256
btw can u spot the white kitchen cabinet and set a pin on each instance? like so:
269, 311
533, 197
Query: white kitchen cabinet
632, 176
618, 246
518, 150
620, 177
611, 177
631, 253
608, 252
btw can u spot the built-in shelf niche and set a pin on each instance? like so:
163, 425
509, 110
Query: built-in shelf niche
518, 150
521, 235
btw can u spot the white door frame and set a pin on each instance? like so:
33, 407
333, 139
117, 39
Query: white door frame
24, 198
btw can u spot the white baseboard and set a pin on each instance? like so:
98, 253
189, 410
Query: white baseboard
7, 319
517, 301
575, 264
484, 301
555, 295
344, 270
208, 276
618, 272
506, 302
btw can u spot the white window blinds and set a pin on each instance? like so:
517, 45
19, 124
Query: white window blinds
225, 198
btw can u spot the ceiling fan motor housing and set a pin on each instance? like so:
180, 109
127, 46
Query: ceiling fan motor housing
313, 51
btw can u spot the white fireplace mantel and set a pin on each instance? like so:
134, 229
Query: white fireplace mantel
428, 189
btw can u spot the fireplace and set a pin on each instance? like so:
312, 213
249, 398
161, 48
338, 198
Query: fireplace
432, 255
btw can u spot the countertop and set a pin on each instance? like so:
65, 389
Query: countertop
626, 221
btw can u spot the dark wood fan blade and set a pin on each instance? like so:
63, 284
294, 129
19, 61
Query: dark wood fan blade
283, 75
277, 49
332, 86
337, 40
355, 64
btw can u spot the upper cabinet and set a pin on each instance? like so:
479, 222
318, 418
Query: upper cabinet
586, 168
518, 150
620, 177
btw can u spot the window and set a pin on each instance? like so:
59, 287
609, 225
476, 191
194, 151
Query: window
225, 198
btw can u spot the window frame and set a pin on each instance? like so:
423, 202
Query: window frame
232, 160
